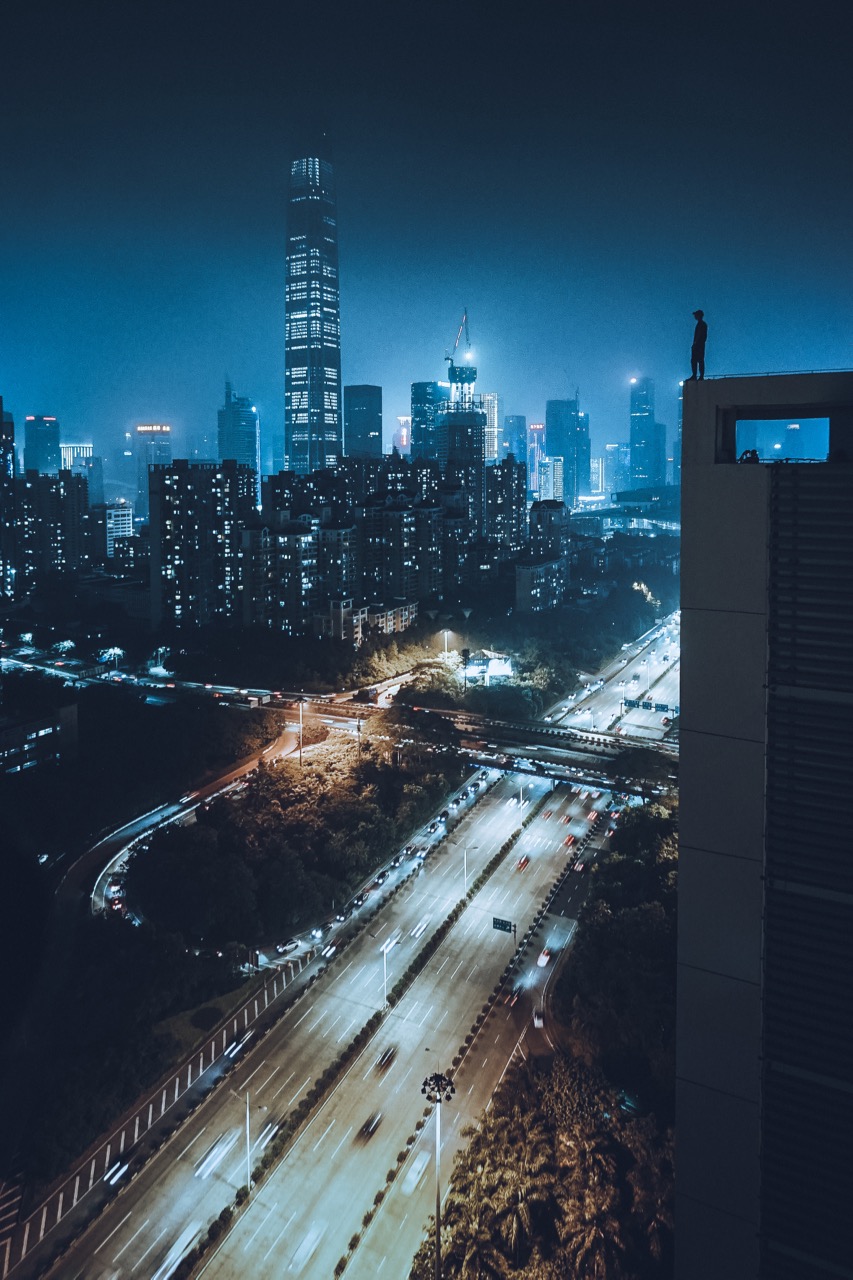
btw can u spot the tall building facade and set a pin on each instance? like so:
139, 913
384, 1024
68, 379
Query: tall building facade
152, 446
536, 451
461, 425
567, 432
647, 438
765, 898
197, 512
491, 405
514, 437
427, 398
363, 421
41, 444
8, 556
239, 434
312, 338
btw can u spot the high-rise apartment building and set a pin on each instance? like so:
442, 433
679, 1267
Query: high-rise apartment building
363, 421
70, 454
41, 444
152, 446
54, 529
551, 478
278, 575
312, 340
239, 434
647, 438
118, 523
427, 397
765, 899
197, 512
491, 406
506, 504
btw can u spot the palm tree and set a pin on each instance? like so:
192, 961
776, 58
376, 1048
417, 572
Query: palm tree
471, 1251
591, 1232
525, 1192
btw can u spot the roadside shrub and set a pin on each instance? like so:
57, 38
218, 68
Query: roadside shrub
354, 1242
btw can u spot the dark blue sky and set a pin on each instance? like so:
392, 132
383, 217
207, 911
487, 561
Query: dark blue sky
580, 181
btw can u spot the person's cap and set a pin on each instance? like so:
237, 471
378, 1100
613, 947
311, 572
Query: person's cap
699, 314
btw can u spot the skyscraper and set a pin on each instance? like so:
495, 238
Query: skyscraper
567, 430
152, 445
239, 434
312, 338
8, 558
363, 422
461, 423
491, 407
427, 397
41, 444
514, 439
765, 892
647, 439
536, 443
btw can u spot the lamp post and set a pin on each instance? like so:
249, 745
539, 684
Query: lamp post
386, 947
437, 1088
621, 697
445, 641
301, 702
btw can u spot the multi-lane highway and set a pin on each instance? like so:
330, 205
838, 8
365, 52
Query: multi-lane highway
321, 1190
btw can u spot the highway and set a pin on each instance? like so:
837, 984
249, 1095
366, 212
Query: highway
199, 1170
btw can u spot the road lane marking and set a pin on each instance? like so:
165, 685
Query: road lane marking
331, 1025
254, 1073
131, 1240
426, 1015
304, 1016
148, 1250
323, 1134
258, 1227
298, 1091
112, 1233
280, 1234
189, 1144
341, 1143
458, 967
347, 1028
471, 974
269, 1077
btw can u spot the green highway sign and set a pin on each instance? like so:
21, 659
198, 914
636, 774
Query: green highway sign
505, 926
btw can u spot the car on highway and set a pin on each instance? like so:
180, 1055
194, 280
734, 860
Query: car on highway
538, 1018
512, 994
283, 947
386, 1057
569, 841
580, 865
544, 957
523, 862
547, 813
370, 1126
414, 1173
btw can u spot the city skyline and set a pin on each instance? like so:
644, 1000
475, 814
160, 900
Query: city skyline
133, 286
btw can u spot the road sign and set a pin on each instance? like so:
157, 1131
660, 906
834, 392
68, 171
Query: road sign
505, 926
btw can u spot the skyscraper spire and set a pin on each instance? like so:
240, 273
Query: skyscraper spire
312, 344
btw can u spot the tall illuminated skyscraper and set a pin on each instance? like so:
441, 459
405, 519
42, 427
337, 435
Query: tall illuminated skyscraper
239, 434
648, 438
312, 338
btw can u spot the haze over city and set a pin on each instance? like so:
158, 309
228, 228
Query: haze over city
580, 181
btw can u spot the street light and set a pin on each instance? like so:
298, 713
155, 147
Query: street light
301, 702
445, 633
437, 1088
386, 947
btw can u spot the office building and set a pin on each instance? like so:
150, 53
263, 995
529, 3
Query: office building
765, 899
197, 512
617, 468
536, 451
278, 575
461, 424
402, 439
567, 434
239, 434
152, 446
312, 339
41, 444
426, 398
647, 438
8, 541
363, 422
514, 437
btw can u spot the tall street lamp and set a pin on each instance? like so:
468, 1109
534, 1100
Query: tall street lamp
437, 1088
301, 702
445, 641
386, 947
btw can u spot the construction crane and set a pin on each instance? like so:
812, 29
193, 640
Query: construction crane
463, 326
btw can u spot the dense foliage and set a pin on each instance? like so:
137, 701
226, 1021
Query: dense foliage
298, 840
564, 1176
557, 1181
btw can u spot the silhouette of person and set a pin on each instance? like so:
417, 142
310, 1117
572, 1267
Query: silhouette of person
697, 351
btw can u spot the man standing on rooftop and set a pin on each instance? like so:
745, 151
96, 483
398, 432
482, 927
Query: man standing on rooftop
697, 351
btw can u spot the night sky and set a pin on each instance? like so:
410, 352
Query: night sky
581, 178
